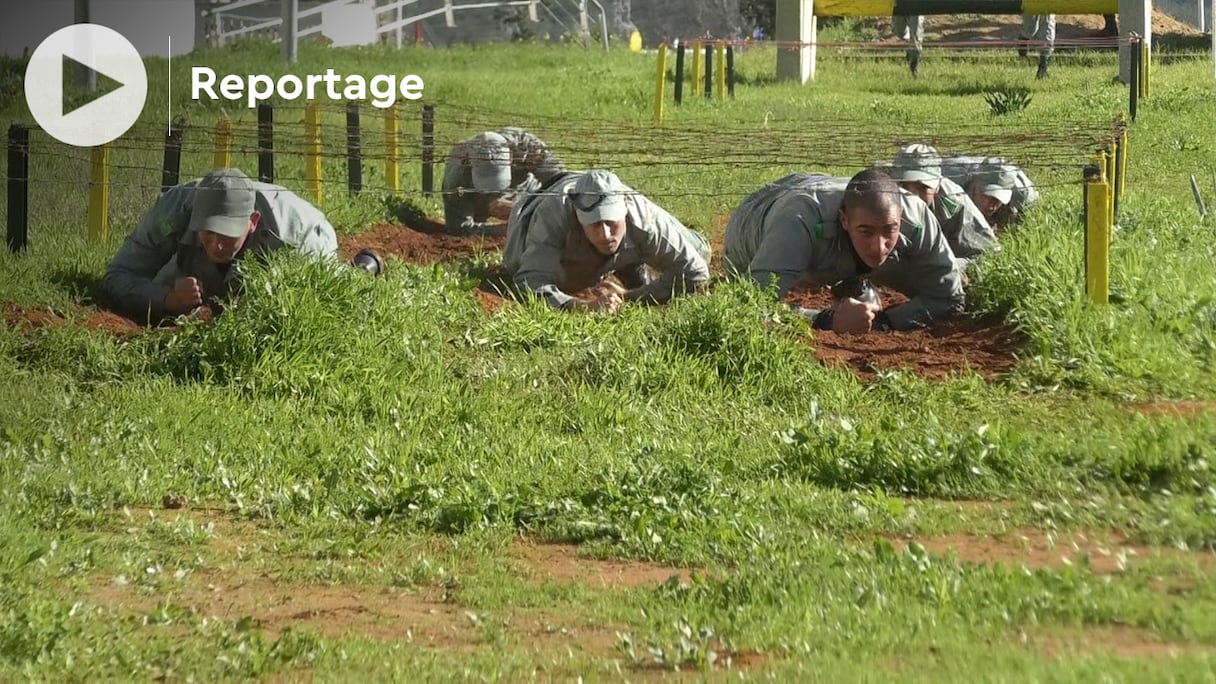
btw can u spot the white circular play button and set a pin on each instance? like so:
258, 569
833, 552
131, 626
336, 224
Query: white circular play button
111, 112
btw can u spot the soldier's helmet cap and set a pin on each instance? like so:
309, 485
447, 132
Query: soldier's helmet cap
490, 157
997, 182
223, 203
597, 196
917, 163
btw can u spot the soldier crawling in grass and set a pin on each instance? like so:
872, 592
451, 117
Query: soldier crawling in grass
485, 174
187, 250
583, 227
811, 228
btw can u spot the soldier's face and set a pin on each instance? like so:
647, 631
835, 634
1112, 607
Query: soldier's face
221, 249
926, 193
605, 236
874, 235
988, 206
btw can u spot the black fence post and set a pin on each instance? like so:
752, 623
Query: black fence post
171, 168
428, 149
354, 158
1133, 101
266, 142
680, 72
709, 71
730, 71
18, 187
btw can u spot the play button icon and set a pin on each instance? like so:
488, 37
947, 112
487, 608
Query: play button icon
107, 115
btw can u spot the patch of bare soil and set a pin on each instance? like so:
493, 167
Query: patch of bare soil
1036, 549
1121, 641
31, 318
1179, 409
986, 345
561, 563
416, 246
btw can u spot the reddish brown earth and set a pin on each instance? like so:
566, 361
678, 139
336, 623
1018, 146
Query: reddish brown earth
1181, 409
982, 345
32, 318
416, 247
1001, 27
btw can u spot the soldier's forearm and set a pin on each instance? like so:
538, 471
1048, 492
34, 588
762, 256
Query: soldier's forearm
139, 298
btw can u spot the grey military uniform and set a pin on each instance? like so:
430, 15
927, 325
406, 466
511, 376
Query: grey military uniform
466, 211
1040, 27
548, 254
910, 27
966, 230
163, 248
963, 170
790, 231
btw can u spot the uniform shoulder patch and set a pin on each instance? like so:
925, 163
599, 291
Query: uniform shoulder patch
818, 230
950, 204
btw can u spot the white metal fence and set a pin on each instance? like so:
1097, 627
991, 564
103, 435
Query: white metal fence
264, 18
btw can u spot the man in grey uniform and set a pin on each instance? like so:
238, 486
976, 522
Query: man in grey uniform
1040, 27
584, 226
810, 227
918, 169
1002, 191
484, 173
911, 28
186, 251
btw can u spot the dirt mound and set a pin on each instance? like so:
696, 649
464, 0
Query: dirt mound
984, 345
1179, 409
29, 318
416, 246
960, 27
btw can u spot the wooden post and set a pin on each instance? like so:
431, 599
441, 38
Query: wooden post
18, 187
312, 150
1097, 236
681, 48
99, 192
721, 72
391, 140
171, 169
266, 142
428, 150
354, 157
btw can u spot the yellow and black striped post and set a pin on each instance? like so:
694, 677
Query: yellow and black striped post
99, 192
887, 8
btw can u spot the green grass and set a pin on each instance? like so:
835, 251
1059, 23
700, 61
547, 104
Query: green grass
386, 443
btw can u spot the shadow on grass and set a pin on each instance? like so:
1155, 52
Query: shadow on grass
83, 286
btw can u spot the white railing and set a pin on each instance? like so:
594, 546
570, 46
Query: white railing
228, 22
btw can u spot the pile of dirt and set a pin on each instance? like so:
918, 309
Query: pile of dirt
417, 246
30, 318
983, 345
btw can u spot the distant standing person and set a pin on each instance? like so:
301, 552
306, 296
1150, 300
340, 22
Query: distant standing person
484, 173
1041, 28
911, 28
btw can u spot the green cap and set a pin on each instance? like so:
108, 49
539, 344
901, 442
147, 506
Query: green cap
223, 203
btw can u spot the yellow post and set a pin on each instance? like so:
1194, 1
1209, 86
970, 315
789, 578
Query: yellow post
99, 192
698, 69
660, 84
391, 141
223, 144
1109, 158
1097, 237
312, 149
720, 72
